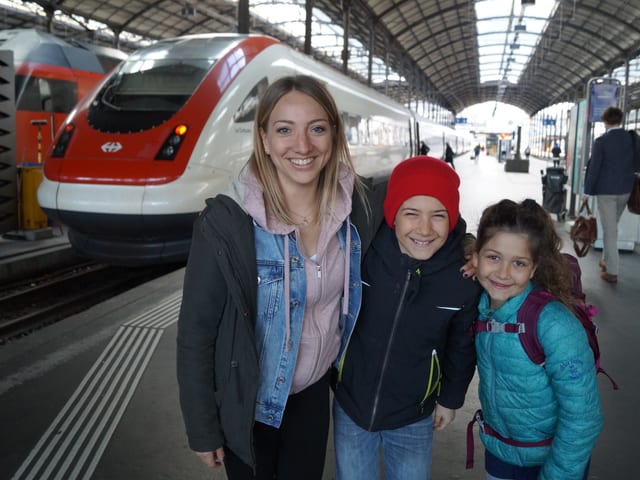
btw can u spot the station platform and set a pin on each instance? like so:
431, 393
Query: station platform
95, 396
23, 254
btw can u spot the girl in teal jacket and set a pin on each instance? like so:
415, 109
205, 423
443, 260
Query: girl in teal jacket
540, 422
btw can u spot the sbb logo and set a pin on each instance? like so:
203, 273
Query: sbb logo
111, 147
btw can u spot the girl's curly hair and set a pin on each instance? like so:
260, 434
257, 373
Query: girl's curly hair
552, 271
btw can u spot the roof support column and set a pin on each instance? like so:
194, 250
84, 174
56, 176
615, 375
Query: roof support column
308, 25
372, 46
386, 66
116, 37
346, 26
243, 16
626, 87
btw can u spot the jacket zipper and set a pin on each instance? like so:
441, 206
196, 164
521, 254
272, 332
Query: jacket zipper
396, 318
434, 383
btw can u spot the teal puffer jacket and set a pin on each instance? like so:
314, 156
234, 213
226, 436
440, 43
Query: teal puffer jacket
528, 402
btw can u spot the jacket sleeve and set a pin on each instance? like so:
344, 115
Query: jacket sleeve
459, 361
593, 168
202, 305
368, 218
572, 375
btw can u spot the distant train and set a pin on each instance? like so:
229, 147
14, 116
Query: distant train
51, 76
133, 164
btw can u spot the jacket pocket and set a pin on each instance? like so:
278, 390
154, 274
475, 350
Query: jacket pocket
270, 298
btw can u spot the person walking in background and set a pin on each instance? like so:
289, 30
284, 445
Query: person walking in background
538, 422
448, 155
555, 154
271, 291
410, 359
610, 177
476, 152
527, 152
424, 148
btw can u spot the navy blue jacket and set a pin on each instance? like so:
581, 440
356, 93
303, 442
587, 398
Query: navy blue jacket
610, 170
412, 344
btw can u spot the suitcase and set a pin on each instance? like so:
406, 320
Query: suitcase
554, 193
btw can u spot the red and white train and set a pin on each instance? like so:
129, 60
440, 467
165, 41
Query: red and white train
133, 164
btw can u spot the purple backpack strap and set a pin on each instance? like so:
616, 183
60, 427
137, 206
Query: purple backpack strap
528, 315
525, 327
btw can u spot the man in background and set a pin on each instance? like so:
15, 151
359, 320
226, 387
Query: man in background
610, 177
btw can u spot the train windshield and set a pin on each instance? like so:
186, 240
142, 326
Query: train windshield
155, 82
152, 85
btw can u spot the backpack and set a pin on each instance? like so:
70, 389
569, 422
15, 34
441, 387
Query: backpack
528, 314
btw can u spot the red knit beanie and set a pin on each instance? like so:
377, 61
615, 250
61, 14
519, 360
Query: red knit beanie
427, 176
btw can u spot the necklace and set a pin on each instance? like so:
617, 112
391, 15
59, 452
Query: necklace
308, 219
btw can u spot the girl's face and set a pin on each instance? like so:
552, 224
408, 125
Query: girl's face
299, 139
422, 226
504, 266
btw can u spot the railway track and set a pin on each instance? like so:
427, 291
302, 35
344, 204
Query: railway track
38, 302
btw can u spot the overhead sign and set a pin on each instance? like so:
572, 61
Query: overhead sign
549, 122
461, 119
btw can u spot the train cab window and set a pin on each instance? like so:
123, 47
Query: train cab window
154, 85
247, 110
58, 96
45, 95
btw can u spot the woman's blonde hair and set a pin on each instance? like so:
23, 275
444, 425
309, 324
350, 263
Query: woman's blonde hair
263, 167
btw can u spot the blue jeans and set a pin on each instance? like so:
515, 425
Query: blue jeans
406, 450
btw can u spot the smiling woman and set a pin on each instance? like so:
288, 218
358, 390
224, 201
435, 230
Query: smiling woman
286, 223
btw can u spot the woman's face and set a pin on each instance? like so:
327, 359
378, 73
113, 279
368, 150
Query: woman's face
504, 266
299, 139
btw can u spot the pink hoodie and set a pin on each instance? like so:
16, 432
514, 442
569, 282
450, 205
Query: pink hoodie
327, 273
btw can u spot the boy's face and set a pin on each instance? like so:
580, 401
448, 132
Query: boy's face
422, 226
504, 266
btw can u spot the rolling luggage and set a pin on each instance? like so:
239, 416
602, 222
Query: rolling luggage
554, 193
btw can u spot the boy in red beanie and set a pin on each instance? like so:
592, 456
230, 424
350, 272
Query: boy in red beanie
410, 358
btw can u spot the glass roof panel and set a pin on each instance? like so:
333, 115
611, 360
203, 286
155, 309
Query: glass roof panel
510, 30
289, 16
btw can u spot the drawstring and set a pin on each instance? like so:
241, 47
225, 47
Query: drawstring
287, 295
345, 303
287, 287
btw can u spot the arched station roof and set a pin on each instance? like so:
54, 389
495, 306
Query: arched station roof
432, 44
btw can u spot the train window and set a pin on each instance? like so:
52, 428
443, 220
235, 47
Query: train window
351, 130
247, 109
363, 128
45, 95
154, 85
28, 94
58, 96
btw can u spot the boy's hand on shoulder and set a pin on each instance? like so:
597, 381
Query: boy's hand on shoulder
442, 416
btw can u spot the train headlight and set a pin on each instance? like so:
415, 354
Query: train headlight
172, 144
63, 142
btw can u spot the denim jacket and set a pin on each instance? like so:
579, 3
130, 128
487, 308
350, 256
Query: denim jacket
277, 359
